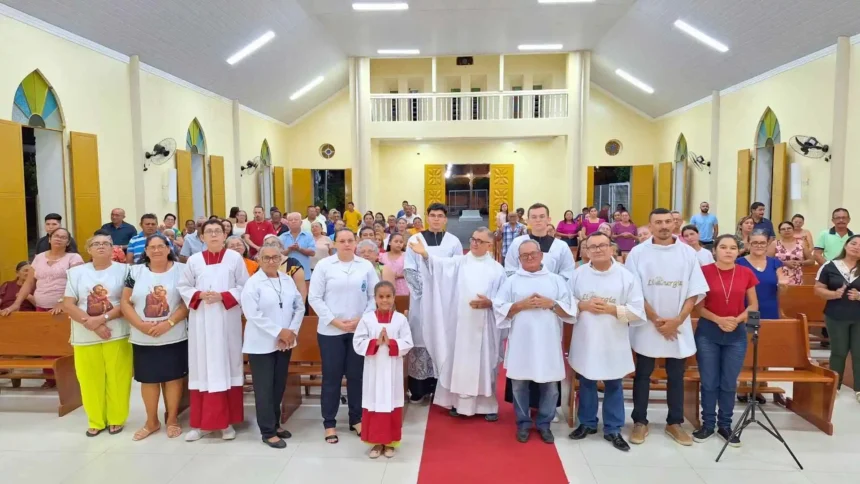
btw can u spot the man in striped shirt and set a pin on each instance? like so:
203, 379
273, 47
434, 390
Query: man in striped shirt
149, 226
511, 230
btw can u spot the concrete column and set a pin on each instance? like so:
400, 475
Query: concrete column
840, 124
361, 164
714, 179
237, 157
578, 78
138, 147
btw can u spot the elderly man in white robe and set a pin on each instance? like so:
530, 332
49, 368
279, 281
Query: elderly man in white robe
609, 300
460, 328
532, 304
672, 283
211, 286
422, 370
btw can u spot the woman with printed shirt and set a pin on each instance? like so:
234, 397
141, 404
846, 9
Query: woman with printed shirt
159, 336
341, 291
100, 336
273, 309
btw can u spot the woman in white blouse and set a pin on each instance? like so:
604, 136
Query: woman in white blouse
273, 309
341, 291
241, 223
324, 245
100, 336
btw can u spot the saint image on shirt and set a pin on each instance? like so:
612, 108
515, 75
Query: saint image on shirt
156, 303
98, 302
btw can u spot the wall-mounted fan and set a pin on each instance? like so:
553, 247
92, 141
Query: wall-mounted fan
809, 147
161, 153
250, 166
698, 161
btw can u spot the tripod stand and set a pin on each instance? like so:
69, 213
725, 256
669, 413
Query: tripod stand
748, 416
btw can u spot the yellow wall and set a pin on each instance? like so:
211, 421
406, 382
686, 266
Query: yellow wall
388, 75
607, 120
252, 131
548, 70
695, 125
330, 123
852, 151
400, 175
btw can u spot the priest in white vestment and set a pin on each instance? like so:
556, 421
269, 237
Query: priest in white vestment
422, 370
609, 300
460, 328
532, 304
672, 283
211, 286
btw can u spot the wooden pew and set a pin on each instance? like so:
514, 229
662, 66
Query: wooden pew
801, 300
40, 341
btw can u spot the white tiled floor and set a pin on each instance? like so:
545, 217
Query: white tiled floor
36, 447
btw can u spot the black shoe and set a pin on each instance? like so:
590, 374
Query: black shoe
743, 398
453, 412
726, 433
617, 441
278, 444
582, 432
522, 436
283, 433
546, 436
702, 435
760, 398
491, 417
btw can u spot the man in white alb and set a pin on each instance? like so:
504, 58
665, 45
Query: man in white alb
672, 283
422, 372
531, 304
460, 328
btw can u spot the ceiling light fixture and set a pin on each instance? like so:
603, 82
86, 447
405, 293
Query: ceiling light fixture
398, 51
251, 48
700, 36
540, 47
632, 80
565, 1
301, 92
377, 6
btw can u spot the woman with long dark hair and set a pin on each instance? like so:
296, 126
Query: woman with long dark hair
792, 252
567, 229
502, 215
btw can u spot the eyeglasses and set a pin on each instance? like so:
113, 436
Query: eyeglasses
473, 240
213, 232
270, 258
598, 247
758, 244
101, 244
60, 237
156, 247
530, 255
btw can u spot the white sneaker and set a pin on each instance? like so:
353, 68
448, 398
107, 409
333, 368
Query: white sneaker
229, 433
195, 435
557, 417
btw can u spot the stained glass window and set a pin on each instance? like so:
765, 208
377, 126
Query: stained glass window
681, 149
195, 141
36, 104
265, 154
768, 129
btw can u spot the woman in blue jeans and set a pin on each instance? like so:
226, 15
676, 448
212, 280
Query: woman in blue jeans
721, 338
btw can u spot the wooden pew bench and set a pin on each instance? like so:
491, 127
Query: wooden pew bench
795, 301
31, 343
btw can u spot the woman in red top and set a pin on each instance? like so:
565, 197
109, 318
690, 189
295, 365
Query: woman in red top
721, 338
9, 289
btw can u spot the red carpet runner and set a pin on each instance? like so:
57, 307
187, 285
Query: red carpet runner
472, 450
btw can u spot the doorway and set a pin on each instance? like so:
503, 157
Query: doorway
329, 190
611, 186
467, 187
44, 181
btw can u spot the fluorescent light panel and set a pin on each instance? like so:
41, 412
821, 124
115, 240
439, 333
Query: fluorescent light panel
378, 6
540, 47
301, 92
251, 48
565, 1
700, 36
398, 51
632, 80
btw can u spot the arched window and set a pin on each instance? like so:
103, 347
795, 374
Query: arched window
767, 135
679, 182
36, 104
265, 171
195, 140
265, 154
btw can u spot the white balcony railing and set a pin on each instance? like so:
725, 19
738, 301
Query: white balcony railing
469, 106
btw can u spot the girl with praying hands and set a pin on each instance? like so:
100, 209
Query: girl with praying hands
383, 337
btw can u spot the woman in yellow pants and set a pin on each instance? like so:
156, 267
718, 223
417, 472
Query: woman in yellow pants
103, 358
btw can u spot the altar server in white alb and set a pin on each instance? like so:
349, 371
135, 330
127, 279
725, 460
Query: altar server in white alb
422, 374
609, 300
383, 338
672, 283
211, 285
460, 328
532, 304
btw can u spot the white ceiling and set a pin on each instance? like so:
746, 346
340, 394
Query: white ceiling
192, 38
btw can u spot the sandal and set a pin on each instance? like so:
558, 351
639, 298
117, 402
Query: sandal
375, 452
94, 432
144, 432
389, 452
356, 430
331, 439
115, 429
173, 431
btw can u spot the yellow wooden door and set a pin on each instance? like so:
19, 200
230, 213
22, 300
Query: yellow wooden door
779, 189
86, 194
501, 190
347, 187
184, 186
664, 185
13, 240
589, 188
434, 184
641, 193
216, 180
301, 190
279, 197
743, 187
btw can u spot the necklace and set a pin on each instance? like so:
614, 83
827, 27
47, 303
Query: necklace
279, 291
731, 284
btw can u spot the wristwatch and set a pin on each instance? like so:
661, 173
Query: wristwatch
171, 323
107, 318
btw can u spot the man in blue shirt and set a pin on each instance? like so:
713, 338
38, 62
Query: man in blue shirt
120, 232
402, 211
193, 242
136, 246
707, 225
297, 244
761, 223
